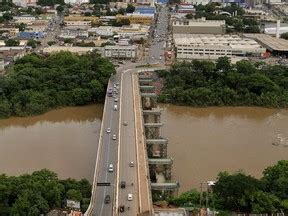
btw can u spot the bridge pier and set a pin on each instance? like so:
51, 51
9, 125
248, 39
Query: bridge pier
159, 165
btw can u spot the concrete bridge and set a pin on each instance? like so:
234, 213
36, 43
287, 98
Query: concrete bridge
136, 125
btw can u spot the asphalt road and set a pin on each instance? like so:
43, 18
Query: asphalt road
158, 43
127, 150
108, 155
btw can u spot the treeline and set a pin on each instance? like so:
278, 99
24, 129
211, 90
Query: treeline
50, 2
40, 192
236, 23
205, 83
243, 193
35, 83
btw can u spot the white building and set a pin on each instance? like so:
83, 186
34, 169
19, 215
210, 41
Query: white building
208, 46
25, 3
76, 1
106, 31
120, 52
197, 2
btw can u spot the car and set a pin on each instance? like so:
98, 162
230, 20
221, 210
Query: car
122, 208
108, 130
114, 96
130, 197
107, 199
115, 107
131, 163
116, 92
125, 123
114, 137
114, 85
110, 168
122, 184
115, 99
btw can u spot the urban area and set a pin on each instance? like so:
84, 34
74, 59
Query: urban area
129, 55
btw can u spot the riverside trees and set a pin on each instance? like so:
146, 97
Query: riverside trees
242, 193
35, 84
39, 192
204, 83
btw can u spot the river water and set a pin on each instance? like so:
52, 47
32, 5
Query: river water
64, 141
202, 141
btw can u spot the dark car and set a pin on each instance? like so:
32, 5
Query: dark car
122, 208
107, 199
122, 184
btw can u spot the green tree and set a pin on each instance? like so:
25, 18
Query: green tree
21, 26
276, 179
12, 42
74, 195
5, 109
284, 36
81, 96
191, 198
60, 9
130, 8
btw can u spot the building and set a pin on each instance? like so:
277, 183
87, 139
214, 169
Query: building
145, 10
12, 32
25, 3
136, 18
74, 32
208, 46
93, 19
104, 31
76, 1
78, 50
120, 52
24, 19
77, 23
199, 26
276, 46
185, 8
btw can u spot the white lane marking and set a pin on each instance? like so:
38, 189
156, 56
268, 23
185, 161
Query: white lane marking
119, 139
96, 171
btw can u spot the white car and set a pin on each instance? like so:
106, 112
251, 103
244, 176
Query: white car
114, 137
108, 130
115, 99
131, 164
130, 197
110, 168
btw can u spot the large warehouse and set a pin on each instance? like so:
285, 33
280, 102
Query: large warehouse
209, 46
198, 26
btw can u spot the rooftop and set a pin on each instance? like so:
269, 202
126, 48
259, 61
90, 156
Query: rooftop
232, 41
272, 43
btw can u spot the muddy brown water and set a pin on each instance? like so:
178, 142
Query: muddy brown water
202, 141
205, 141
64, 141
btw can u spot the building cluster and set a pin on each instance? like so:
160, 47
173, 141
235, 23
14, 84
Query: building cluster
78, 32
206, 39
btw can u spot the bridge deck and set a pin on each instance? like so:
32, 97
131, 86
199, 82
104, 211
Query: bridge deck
162, 161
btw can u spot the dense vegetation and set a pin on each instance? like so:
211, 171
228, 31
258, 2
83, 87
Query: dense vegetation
37, 83
243, 193
39, 192
204, 83
235, 23
50, 2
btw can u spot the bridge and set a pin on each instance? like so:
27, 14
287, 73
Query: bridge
130, 141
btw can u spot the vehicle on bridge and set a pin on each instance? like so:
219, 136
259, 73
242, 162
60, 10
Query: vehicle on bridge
110, 168
122, 184
110, 92
108, 130
131, 164
122, 208
115, 107
114, 137
107, 199
130, 197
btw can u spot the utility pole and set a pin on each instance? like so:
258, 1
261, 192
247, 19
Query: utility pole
201, 195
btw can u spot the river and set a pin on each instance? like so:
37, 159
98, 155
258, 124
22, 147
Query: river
64, 141
202, 141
